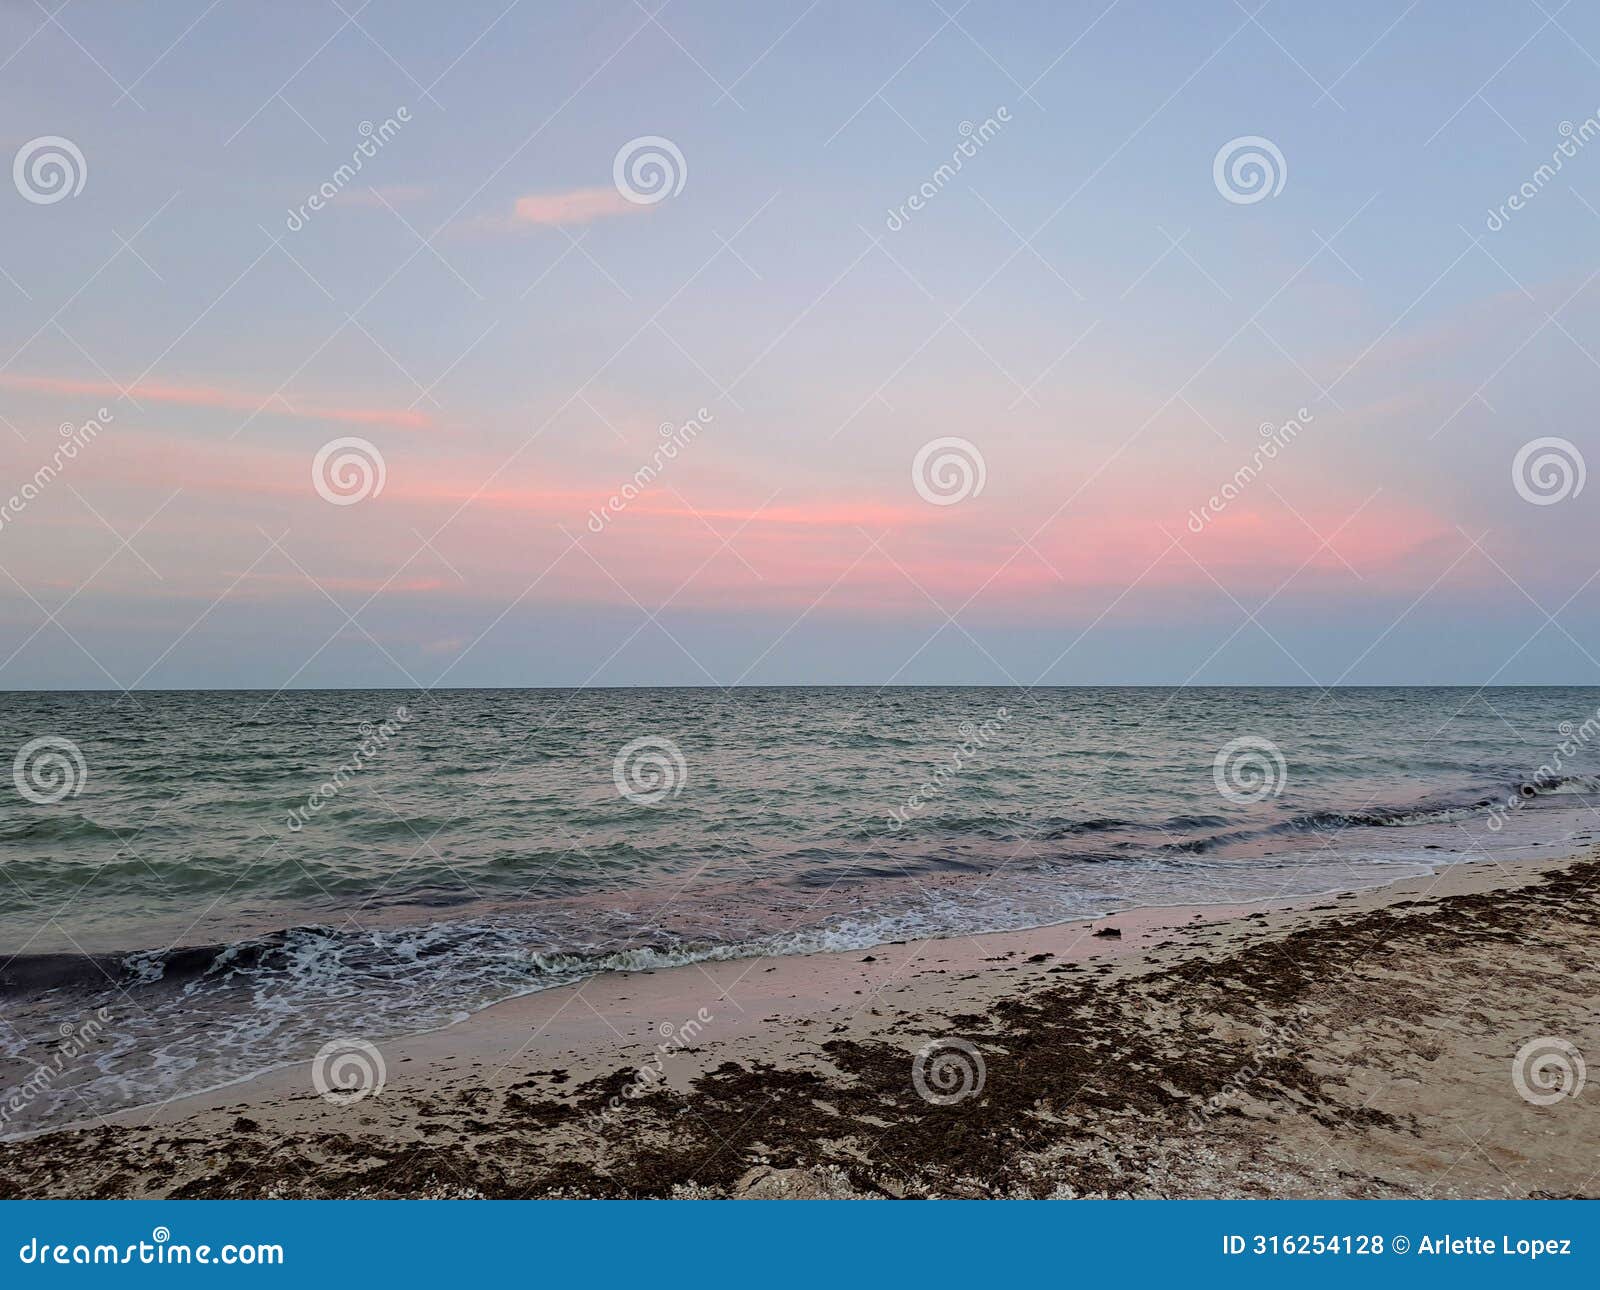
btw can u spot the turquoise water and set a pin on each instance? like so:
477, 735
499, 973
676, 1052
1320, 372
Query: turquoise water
237, 877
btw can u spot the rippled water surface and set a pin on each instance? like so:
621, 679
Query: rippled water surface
241, 875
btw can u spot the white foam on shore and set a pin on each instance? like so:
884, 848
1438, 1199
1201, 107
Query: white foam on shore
248, 1013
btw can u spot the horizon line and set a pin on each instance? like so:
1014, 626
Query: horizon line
816, 685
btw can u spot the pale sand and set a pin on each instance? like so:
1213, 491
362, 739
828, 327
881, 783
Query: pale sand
1359, 1045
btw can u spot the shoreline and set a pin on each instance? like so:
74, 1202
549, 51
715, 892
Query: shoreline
800, 1075
1157, 917
1143, 918
435, 1042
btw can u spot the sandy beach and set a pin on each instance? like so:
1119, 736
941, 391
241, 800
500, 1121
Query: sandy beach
1359, 1045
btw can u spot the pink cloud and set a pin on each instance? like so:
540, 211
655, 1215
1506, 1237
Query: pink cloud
871, 554
1259, 546
580, 206
210, 397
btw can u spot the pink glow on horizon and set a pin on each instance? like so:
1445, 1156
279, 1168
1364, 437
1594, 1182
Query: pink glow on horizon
883, 554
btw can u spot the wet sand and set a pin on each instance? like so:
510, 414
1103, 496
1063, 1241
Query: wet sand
1359, 1045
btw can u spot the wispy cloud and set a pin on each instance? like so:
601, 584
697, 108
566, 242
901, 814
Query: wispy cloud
205, 396
580, 206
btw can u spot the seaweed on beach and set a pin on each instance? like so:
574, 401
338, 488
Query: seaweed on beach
1094, 1084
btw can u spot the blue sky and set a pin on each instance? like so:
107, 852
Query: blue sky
1080, 306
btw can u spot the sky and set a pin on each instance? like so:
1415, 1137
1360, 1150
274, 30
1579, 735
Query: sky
693, 343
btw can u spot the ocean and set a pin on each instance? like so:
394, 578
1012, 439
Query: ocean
198, 886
